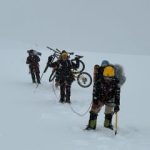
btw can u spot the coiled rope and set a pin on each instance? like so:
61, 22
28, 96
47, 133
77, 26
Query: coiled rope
72, 109
53, 87
79, 114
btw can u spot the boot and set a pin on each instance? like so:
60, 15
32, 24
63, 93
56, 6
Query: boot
92, 121
68, 99
108, 121
38, 81
33, 81
61, 100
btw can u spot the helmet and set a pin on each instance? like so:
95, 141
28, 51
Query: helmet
64, 56
109, 71
105, 63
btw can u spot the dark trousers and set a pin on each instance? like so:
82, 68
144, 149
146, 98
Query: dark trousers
65, 91
35, 74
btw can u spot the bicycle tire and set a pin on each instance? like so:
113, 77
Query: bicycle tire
81, 67
84, 79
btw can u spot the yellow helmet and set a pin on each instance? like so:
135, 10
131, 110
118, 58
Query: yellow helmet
109, 71
64, 56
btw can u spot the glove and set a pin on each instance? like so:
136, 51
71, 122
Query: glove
116, 109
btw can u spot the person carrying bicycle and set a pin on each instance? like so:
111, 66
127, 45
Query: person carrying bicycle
64, 75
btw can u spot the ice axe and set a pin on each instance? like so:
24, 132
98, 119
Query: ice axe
116, 123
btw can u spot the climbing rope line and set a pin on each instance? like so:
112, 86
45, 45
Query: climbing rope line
79, 114
53, 87
72, 109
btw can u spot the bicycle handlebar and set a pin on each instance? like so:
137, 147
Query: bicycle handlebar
58, 52
54, 50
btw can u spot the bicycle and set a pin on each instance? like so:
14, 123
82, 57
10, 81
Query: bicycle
56, 54
84, 79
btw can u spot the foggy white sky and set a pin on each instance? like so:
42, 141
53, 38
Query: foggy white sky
90, 25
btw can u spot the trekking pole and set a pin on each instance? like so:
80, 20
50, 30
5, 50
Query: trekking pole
116, 123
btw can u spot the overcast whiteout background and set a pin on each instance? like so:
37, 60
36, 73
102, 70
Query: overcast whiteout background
116, 30
85, 25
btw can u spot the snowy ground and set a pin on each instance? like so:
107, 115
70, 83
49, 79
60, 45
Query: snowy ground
33, 119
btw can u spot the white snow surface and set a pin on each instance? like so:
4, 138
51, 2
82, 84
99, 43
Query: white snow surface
116, 30
32, 118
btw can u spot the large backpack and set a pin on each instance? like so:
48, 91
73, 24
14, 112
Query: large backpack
34, 52
110, 70
116, 71
119, 73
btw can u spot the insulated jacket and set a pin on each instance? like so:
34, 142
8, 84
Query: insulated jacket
33, 61
106, 90
64, 69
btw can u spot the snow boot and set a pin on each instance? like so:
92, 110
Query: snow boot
108, 121
61, 100
92, 121
68, 99
38, 81
33, 81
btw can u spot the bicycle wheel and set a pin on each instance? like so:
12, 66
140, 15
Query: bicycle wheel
81, 67
84, 79
52, 76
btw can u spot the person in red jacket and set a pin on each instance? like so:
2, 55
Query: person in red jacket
33, 61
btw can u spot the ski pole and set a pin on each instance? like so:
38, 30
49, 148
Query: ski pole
116, 123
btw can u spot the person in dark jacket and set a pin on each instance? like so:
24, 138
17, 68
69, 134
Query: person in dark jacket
106, 92
65, 76
33, 61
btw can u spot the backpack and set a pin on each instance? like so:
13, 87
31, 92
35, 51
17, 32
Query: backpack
119, 74
116, 71
34, 52
109, 71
